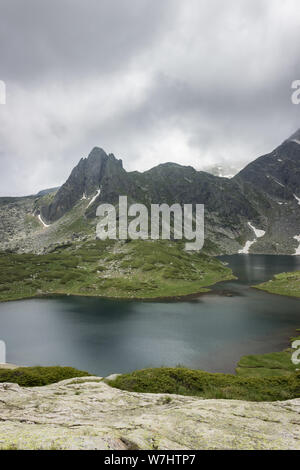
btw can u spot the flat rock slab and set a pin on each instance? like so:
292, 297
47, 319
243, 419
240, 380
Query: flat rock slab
86, 413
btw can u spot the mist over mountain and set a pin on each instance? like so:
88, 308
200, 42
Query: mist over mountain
223, 169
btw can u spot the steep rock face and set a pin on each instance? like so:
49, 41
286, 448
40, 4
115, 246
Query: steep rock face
167, 183
16, 220
85, 413
274, 184
266, 194
277, 173
84, 180
173, 183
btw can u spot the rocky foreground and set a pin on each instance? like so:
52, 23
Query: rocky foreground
86, 413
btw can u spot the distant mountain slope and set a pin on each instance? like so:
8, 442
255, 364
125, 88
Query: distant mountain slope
277, 173
276, 176
43, 192
101, 178
258, 210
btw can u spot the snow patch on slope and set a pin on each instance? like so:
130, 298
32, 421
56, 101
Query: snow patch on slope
297, 199
297, 252
41, 220
278, 182
258, 234
245, 250
95, 197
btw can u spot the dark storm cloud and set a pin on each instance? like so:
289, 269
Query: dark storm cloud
193, 82
42, 39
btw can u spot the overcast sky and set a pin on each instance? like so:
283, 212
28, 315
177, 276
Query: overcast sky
196, 82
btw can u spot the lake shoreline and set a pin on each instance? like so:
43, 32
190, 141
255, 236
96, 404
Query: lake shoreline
172, 298
294, 334
285, 284
209, 329
295, 297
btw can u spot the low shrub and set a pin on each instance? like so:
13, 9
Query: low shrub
38, 376
184, 381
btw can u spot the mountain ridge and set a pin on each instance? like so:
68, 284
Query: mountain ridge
266, 194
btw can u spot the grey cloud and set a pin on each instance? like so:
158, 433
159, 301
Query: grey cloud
71, 38
194, 82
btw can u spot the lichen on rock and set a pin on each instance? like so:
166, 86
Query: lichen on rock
86, 413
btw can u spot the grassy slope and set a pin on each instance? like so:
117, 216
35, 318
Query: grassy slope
267, 365
138, 269
254, 381
283, 284
203, 384
178, 380
279, 363
265, 377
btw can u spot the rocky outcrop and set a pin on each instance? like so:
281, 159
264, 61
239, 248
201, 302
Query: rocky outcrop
86, 413
102, 177
277, 174
16, 220
275, 177
84, 180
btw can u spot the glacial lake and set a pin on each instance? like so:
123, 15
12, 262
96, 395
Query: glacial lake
210, 332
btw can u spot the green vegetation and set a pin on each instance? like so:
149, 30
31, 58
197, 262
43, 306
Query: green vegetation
38, 376
266, 377
273, 364
263, 377
136, 269
267, 365
44, 200
283, 284
183, 381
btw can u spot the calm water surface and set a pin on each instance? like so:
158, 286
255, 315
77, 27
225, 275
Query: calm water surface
211, 332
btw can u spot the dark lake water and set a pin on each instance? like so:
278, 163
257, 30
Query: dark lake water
211, 332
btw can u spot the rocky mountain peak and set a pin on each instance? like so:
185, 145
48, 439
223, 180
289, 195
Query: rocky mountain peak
83, 182
95, 154
266, 193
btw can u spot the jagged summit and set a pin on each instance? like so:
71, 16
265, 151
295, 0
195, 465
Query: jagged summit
96, 151
84, 181
276, 173
266, 194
